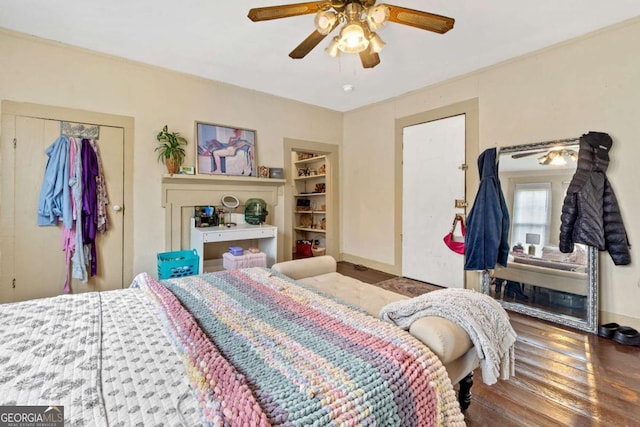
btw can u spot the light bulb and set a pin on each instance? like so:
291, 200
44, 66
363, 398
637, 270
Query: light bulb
352, 39
376, 43
377, 16
325, 21
558, 160
333, 49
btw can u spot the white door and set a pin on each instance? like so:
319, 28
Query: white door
38, 259
433, 179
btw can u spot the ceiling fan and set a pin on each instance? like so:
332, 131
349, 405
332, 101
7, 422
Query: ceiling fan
360, 18
555, 156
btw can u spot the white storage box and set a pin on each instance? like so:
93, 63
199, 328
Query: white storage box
248, 259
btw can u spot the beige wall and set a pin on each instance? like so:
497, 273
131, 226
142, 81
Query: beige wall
48, 73
592, 83
589, 84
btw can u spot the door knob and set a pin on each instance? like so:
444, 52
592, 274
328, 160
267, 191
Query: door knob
117, 208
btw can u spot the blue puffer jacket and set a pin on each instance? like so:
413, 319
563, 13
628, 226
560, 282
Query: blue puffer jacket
487, 240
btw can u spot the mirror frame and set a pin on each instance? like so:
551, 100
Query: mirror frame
590, 324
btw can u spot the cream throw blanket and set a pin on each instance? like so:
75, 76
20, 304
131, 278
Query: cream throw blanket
483, 318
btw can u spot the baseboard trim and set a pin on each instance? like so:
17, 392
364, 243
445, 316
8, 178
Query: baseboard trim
386, 268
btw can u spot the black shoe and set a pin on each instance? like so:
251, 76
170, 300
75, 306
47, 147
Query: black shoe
498, 284
607, 330
627, 336
512, 289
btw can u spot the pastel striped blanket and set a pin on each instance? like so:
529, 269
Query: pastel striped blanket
261, 349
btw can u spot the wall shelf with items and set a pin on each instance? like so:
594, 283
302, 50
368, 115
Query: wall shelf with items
313, 158
305, 177
314, 230
310, 202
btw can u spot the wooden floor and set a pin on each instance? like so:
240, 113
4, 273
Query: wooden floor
564, 377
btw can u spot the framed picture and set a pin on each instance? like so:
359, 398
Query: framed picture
263, 172
188, 170
276, 173
224, 150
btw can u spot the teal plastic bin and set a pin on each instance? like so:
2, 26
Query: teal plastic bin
177, 264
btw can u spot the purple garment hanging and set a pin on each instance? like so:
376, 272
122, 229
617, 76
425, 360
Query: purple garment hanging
90, 172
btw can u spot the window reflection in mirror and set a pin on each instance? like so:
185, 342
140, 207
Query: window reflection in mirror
538, 275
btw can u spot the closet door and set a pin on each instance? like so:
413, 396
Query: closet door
39, 260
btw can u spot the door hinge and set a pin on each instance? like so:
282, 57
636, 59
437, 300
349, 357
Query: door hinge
13, 283
463, 167
15, 142
461, 203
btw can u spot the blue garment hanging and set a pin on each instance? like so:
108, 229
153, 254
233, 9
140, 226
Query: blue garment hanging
55, 195
487, 239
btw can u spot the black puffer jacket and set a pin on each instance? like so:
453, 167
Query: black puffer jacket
590, 213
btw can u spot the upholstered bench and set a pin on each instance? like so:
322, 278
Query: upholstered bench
447, 340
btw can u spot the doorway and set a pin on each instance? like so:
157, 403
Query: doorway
420, 256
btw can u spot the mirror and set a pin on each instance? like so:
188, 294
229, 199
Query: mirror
539, 280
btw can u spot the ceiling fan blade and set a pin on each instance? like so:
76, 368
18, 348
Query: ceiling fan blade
286, 10
307, 45
369, 58
528, 153
423, 20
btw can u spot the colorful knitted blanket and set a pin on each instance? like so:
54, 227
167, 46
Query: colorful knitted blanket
261, 349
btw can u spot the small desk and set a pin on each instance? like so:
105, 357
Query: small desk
266, 235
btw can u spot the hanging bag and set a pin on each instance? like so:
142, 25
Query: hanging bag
456, 243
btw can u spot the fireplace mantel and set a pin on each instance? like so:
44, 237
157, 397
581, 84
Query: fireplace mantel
180, 193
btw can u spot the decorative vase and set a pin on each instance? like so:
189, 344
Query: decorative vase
172, 165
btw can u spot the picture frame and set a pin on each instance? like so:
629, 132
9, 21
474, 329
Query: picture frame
263, 172
276, 173
225, 150
187, 170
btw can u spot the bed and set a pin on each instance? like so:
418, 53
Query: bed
238, 347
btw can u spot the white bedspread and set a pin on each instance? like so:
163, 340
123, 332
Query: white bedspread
91, 354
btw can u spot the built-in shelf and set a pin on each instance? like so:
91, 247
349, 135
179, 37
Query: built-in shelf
309, 160
302, 178
310, 194
314, 230
311, 197
312, 212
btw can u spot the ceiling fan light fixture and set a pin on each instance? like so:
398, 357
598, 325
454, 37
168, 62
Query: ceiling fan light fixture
375, 42
333, 49
325, 21
359, 20
557, 157
352, 38
377, 16
558, 160
544, 160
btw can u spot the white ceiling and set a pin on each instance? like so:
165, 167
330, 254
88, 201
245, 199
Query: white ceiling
215, 39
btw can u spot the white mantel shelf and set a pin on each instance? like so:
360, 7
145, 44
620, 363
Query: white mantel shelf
184, 178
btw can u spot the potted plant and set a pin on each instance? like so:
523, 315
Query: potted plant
171, 149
